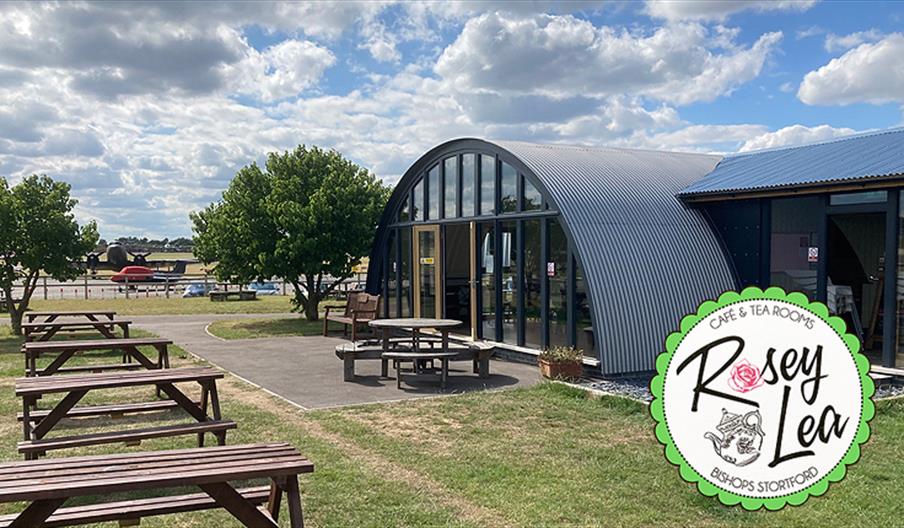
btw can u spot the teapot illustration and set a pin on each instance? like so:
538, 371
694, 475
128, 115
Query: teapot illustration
741, 439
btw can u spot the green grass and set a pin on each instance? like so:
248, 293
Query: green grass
544, 456
173, 305
254, 328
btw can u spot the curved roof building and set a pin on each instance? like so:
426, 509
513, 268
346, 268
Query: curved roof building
535, 246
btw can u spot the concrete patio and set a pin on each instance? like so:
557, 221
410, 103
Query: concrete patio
306, 371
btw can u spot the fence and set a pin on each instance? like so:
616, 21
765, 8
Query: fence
101, 287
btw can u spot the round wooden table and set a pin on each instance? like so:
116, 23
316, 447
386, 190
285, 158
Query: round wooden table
415, 324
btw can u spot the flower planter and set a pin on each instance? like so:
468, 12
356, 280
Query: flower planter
562, 371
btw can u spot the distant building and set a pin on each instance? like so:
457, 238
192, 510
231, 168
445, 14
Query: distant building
605, 249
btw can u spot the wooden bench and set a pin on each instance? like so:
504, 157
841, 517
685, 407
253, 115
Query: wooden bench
243, 295
44, 331
49, 317
77, 386
133, 358
47, 484
349, 353
360, 309
418, 360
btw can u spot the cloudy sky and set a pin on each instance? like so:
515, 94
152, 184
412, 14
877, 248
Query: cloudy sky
148, 109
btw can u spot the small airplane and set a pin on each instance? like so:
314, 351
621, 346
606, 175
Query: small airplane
144, 274
118, 259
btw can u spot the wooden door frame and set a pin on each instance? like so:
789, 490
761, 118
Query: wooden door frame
416, 268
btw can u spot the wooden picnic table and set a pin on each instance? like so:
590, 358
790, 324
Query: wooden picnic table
47, 484
417, 355
75, 387
133, 358
44, 331
90, 315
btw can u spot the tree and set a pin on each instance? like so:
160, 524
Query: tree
38, 233
308, 214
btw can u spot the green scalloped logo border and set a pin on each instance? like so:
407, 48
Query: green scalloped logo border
704, 486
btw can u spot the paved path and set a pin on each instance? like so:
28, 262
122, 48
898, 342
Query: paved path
306, 371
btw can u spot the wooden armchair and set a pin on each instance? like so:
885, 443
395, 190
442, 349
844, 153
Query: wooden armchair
361, 308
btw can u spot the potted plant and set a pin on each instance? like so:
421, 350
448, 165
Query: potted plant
561, 363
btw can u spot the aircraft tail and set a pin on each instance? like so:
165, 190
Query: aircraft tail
179, 268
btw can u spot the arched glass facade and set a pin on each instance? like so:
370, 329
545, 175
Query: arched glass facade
471, 236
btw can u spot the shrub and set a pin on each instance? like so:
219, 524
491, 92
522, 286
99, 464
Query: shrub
561, 354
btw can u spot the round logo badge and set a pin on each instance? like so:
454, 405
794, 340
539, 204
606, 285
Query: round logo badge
762, 398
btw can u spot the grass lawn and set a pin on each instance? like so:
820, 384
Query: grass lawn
543, 456
252, 328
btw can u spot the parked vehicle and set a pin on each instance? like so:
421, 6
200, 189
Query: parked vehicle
264, 288
197, 289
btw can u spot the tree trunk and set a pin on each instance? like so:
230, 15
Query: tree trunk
15, 319
312, 307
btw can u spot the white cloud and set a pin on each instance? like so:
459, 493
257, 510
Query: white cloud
870, 73
570, 57
794, 135
719, 9
835, 42
280, 71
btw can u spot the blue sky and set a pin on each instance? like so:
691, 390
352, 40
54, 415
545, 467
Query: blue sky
148, 109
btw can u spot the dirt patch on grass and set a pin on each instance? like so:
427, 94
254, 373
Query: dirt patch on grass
375, 463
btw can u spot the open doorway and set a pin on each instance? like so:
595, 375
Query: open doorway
457, 265
856, 268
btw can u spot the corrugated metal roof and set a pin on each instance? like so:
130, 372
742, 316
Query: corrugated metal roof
861, 157
648, 259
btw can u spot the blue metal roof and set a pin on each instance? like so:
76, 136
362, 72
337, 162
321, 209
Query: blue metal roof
869, 156
648, 258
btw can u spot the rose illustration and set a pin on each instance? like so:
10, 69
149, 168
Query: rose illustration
744, 376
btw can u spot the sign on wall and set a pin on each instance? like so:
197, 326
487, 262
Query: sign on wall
762, 398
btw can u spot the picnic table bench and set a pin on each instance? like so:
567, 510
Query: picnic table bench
75, 387
349, 353
418, 360
44, 331
47, 484
242, 295
68, 348
49, 317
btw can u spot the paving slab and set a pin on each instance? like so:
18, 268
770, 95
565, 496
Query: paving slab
306, 371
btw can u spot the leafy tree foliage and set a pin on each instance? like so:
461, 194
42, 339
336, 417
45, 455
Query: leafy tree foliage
306, 215
38, 233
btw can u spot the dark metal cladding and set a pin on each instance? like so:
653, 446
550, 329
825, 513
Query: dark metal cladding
871, 156
648, 259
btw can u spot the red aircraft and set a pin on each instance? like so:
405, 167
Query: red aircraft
137, 274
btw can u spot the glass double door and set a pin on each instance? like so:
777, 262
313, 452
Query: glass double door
443, 267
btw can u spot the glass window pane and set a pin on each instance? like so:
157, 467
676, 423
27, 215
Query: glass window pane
417, 208
468, 176
899, 346
405, 272
533, 275
450, 183
557, 271
403, 211
795, 238
392, 268
532, 201
508, 252
859, 198
487, 282
487, 185
433, 193
585, 335
509, 183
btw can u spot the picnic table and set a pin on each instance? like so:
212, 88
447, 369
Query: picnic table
224, 295
68, 348
47, 484
90, 315
37, 424
417, 355
44, 331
